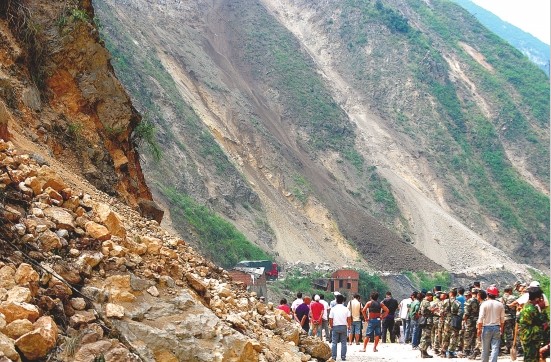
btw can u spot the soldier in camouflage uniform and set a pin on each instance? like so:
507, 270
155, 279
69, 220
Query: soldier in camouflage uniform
531, 325
443, 313
426, 310
449, 336
435, 335
510, 314
480, 297
470, 317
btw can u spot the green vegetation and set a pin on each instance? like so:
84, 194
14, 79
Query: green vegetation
369, 283
295, 282
145, 132
382, 193
302, 188
427, 281
542, 278
219, 240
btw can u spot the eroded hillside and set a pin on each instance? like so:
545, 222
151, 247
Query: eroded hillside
358, 125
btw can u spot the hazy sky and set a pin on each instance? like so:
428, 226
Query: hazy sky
532, 16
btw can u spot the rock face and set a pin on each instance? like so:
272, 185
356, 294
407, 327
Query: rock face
123, 273
79, 110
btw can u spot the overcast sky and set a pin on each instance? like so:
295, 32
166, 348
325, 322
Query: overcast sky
532, 16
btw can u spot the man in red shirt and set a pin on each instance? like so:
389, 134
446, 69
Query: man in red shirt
316, 316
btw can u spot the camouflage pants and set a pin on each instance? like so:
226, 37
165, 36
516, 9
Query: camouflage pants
440, 334
425, 337
469, 335
449, 338
478, 345
435, 336
531, 351
507, 336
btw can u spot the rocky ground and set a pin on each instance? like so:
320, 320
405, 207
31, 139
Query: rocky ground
83, 276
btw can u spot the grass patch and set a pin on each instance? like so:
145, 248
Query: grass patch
218, 239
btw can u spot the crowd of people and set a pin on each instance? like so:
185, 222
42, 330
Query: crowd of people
462, 322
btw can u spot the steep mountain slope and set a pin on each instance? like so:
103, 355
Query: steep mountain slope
83, 276
536, 50
404, 128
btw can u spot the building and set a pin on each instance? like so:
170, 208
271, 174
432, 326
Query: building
253, 280
344, 280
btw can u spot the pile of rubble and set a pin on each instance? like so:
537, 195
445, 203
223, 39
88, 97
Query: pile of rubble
84, 277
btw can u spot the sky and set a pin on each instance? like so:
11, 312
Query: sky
532, 16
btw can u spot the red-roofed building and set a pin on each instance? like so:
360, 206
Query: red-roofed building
344, 280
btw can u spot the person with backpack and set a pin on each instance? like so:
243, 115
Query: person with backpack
377, 311
452, 324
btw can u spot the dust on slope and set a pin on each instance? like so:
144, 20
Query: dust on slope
438, 234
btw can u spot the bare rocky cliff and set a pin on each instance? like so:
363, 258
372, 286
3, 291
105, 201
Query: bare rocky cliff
60, 91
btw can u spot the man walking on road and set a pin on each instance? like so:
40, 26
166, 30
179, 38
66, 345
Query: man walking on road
490, 324
339, 321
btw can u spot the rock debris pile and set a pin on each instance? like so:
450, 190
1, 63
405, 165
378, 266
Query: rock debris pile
84, 278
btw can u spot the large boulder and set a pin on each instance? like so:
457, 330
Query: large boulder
62, 218
37, 343
315, 347
25, 274
18, 310
17, 328
7, 277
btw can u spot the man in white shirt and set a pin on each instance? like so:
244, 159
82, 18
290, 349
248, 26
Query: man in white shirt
491, 319
325, 321
403, 309
340, 321
296, 303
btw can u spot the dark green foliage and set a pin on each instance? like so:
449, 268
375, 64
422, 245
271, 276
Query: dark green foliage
219, 240
369, 283
395, 21
145, 132
427, 281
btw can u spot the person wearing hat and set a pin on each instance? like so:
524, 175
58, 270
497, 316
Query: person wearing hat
508, 300
426, 309
490, 324
532, 325
470, 317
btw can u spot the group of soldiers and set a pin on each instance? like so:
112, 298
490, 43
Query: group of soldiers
447, 321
